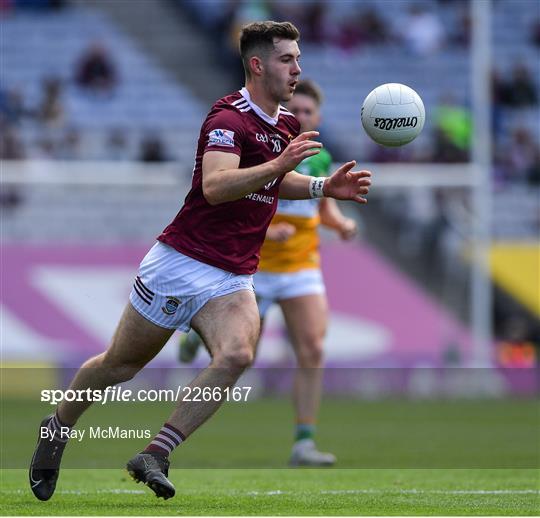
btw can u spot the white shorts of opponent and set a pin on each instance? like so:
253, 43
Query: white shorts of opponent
171, 287
273, 287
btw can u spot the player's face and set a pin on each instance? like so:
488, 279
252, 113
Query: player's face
306, 110
282, 70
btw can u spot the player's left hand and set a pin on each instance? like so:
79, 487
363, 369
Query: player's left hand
345, 184
348, 229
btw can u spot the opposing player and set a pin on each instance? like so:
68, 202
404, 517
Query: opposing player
199, 273
289, 274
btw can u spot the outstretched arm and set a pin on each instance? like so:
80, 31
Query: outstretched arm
332, 217
344, 184
223, 180
295, 186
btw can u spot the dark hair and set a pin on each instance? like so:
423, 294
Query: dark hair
311, 89
259, 37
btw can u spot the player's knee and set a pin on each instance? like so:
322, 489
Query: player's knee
310, 353
239, 359
239, 356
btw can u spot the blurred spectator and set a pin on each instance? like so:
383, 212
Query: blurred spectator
421, 30
445, 150
535, 33
10, 198
516, 349
533, 172
348, 35
310, 15
314, 28
70, 147
11, 146
51, 110
39, 4
373, 27
520, 158
6, 6
152, 149
96, 71
12, 107
362, 28
116, 145
521, 89
461, 32
453, 129
46, 149
499, 89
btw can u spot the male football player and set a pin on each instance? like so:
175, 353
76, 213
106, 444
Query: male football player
199, 273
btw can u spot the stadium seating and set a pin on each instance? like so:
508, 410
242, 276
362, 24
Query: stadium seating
41, 45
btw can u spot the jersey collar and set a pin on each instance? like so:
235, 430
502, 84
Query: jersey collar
271, 120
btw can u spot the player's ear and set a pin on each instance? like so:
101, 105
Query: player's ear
256, 65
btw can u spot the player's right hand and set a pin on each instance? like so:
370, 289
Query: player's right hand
280, 232
299, 149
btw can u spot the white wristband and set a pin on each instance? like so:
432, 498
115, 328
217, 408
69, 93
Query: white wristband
316, 187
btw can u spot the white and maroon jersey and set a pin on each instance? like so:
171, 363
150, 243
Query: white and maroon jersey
230, 235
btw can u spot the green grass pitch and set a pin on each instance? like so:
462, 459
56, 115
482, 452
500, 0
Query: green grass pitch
284, 492
234, 464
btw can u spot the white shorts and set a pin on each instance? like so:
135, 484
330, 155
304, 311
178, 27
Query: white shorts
273, 287
172, 287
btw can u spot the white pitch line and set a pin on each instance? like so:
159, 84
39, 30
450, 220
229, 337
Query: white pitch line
406, 492
78, 492
123, 491
277, 492
490, 492
435, 491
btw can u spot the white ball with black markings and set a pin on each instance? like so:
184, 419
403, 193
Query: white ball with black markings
393, 114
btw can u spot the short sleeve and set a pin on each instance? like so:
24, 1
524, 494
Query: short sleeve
224, 130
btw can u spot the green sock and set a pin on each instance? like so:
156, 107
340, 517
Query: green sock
304, 431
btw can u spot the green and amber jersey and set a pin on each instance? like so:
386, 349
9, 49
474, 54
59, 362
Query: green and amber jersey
301, 250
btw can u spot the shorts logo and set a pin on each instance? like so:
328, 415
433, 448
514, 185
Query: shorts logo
171, 305
221, 137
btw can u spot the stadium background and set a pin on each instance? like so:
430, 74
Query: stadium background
101, 103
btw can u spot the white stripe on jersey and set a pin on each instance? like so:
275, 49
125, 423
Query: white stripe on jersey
246, 109
284, 111
239, 102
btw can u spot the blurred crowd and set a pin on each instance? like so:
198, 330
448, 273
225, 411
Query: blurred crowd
9, 5
345, 25
56, 136
355, 26
348, 26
